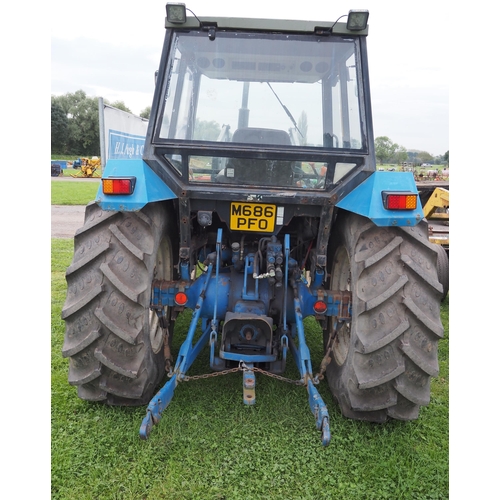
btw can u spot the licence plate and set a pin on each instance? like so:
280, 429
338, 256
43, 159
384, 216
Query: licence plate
252, 217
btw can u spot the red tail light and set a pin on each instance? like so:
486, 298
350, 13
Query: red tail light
118, 186
320, 307
181, 298
399, 201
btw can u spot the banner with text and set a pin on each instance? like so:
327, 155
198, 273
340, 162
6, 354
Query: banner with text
124, 134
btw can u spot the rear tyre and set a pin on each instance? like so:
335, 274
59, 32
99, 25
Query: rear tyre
383, 360
113, 342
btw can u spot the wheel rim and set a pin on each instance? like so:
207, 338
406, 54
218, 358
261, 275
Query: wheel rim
341, 280
163, 271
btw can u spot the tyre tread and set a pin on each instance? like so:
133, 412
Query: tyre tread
396, 320
133, 249
107, 306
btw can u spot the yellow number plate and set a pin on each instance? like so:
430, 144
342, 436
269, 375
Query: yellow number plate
252, 217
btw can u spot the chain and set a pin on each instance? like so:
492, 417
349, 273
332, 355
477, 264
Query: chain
324, 362
211, 375
327, 357
241, 367
277, 377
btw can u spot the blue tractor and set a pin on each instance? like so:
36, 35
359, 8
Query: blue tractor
257, 203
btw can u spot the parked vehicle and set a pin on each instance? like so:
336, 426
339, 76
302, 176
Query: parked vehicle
56, 168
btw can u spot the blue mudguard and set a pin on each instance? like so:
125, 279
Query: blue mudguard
366, 199
148, 186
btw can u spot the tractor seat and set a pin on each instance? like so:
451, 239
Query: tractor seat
261, 136
255, 171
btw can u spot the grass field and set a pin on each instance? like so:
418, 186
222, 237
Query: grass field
73, 193
209, 445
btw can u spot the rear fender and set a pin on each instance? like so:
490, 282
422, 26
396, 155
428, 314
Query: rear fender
366, 199
148, 186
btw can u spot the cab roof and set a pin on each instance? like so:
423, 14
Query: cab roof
271, 25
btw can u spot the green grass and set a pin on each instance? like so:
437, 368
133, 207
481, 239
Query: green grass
209, 445
73, 193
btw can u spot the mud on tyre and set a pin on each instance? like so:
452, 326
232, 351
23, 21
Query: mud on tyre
113, 341
383, 360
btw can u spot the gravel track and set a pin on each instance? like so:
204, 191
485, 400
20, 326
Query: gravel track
66, 219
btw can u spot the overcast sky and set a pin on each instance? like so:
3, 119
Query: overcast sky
111, 49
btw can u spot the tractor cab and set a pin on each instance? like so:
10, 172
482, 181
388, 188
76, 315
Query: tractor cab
261, 104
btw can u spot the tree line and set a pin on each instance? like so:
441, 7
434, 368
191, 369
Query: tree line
75, 123
75, 131
387, 151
